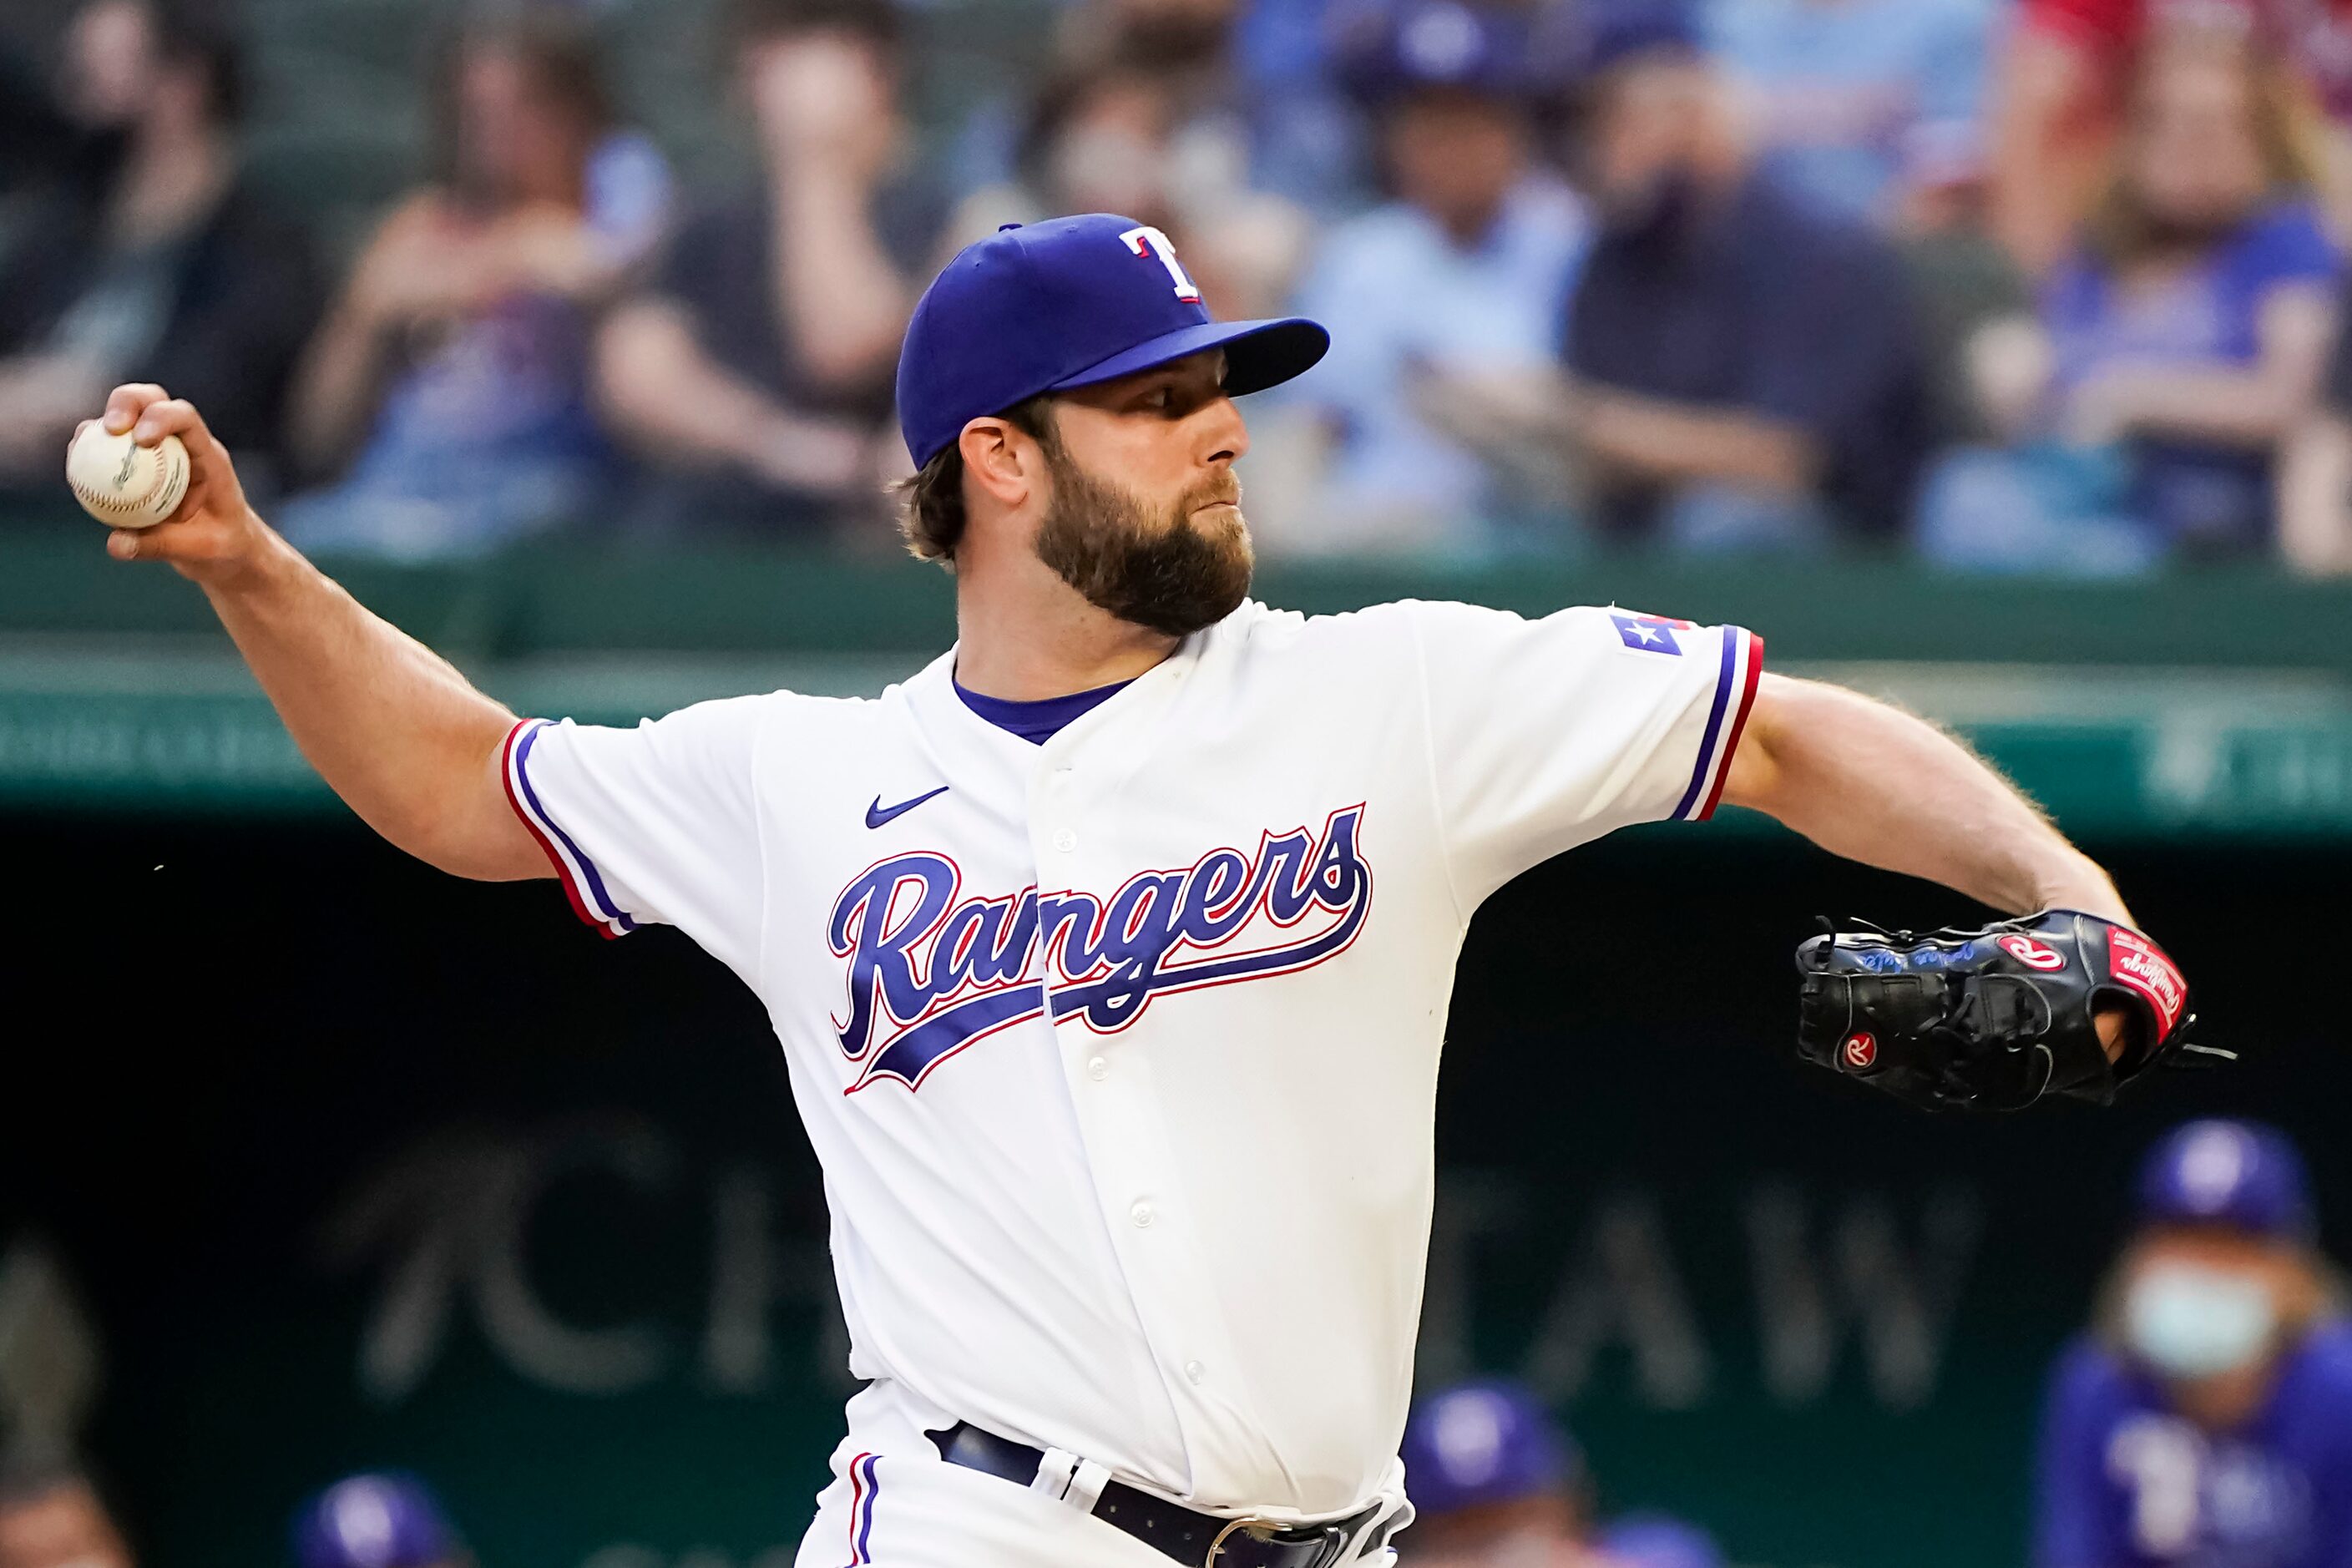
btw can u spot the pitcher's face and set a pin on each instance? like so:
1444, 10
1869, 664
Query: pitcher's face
1145, 518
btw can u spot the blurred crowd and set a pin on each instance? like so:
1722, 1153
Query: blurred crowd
2203, 1419
2015, 285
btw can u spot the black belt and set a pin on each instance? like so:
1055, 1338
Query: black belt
1202, 1540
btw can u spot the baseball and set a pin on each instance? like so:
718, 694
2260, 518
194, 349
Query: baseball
123, 484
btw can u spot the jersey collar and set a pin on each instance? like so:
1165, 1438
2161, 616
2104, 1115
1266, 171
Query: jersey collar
1132, 715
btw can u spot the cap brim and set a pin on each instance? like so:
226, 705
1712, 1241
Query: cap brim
1258, 354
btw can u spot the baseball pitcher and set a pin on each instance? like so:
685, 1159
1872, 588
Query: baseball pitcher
1111, 953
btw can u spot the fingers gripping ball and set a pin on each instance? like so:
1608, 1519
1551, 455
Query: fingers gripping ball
1990, 1019
123, 484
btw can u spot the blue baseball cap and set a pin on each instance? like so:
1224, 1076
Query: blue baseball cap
1046, 307
1386, 49
2241, 1174
1615, 31
1484, 1441
374, 1522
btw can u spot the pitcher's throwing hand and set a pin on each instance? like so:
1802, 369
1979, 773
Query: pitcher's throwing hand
212, 532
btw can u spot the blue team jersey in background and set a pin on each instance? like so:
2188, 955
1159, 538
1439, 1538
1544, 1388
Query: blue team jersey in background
2124, 1482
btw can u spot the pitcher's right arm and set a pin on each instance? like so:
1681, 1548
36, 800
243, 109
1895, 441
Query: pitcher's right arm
392, 728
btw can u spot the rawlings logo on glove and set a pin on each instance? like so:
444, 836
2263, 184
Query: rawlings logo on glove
1990, 1019
2135, 962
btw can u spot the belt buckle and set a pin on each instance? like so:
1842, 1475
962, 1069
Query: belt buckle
1217, 1545
1332, 1542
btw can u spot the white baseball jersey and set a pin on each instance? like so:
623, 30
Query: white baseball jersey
1120, 1051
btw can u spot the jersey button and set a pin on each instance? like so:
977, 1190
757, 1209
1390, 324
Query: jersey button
1142, 1214
1065, 840
1098, 1068
1194, 1371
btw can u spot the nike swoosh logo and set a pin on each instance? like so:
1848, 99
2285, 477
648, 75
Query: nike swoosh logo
879, 815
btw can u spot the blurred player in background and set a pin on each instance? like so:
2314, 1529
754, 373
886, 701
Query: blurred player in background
2209, 1419
376, 1522
1499, 1485
52, 1517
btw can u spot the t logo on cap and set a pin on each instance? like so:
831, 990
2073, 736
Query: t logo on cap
1148, 242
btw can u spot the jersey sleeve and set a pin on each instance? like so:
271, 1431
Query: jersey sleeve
1546, 733
652, 826
2331, 1344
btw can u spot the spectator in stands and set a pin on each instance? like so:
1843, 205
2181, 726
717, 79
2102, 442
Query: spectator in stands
1295, 143
160, 264
1100, 137
1962, 276
2175, 352
1842, 90
448, 385
377, 1521
1254, 106
2065, 77
1462, 273
51, 1516
2315, 473
754, 368
1096, 139
37, 143
1496, 1484
1745, 371
2208, 1418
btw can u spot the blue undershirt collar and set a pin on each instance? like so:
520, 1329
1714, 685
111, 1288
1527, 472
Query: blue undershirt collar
1038, 722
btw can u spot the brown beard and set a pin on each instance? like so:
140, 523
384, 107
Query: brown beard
1167, 573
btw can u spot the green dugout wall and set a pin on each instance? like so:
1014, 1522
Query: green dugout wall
310, 1158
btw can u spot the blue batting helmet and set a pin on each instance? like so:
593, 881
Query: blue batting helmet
374, 1522
1483, 1443
2241, 1174
1386, 49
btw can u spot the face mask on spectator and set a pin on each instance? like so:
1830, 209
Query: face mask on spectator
2188, 1320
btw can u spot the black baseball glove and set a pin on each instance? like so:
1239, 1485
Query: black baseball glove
1990, 1019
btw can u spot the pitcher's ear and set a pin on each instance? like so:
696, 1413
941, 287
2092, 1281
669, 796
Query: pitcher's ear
1001, 460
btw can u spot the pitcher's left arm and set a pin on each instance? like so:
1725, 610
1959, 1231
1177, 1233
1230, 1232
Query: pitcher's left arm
1874, 783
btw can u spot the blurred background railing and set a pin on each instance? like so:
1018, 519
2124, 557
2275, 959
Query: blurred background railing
2174, 705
